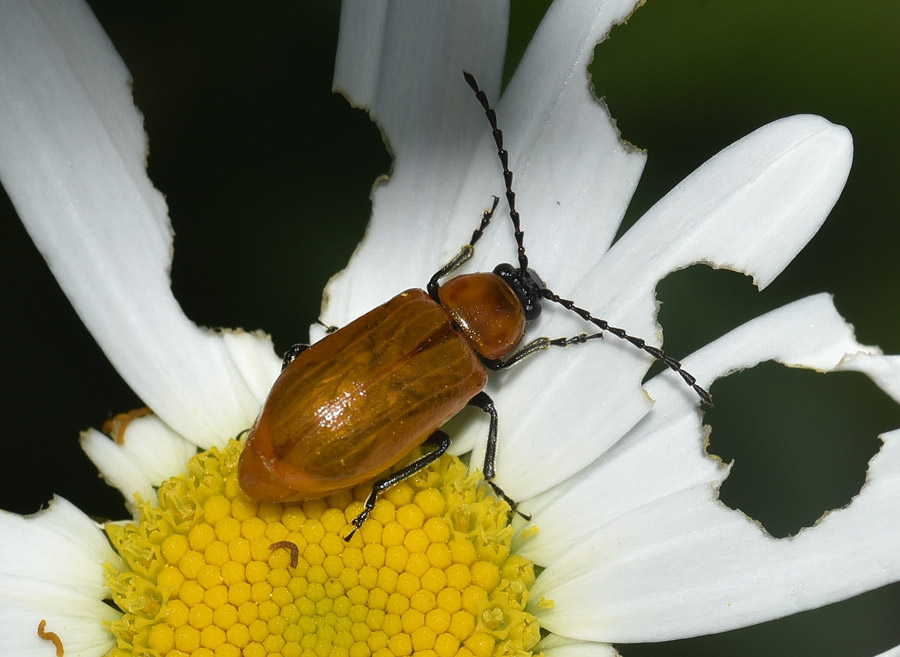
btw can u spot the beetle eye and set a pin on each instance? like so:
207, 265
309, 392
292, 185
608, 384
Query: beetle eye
536, 279
527, 286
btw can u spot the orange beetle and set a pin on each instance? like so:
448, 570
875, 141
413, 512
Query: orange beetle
359, 401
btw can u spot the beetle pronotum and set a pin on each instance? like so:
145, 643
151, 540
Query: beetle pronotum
355, 404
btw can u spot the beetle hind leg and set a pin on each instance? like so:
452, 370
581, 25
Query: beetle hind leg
443, 442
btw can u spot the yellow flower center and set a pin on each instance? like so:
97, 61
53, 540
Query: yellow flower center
215, 574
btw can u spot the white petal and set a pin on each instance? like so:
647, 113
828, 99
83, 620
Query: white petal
116, 468
73, 161
752, 207
51, 567
255, 359
558, 646
74, 617
155, 449
893, 652
884, 370
690, 547
627, 581
60, 545
662, 454
150, 454
667, 446
587, 182
574, 176
446, 167
404, 63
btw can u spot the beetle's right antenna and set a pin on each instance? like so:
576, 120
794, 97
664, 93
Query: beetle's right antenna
504, 160
672, 363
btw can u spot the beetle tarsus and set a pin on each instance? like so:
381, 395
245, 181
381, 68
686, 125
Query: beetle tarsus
485, 220
359, 520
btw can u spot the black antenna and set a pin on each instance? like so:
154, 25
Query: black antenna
504, 160
548, 294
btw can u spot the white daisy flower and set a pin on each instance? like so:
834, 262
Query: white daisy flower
630, 539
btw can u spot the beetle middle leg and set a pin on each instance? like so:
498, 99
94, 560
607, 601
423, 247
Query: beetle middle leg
486, 404
540, 344
329, 328
443, 442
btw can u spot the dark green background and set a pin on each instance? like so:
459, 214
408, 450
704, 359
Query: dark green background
267, 176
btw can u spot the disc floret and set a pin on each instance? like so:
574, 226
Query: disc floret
212, 573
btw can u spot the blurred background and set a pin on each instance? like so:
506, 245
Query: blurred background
267, 176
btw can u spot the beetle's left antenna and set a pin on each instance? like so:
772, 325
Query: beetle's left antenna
504, 160
549, 295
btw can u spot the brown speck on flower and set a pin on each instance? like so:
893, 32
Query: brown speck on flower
288, 545
116, 425
52, 637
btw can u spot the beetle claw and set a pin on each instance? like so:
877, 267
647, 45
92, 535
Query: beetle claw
357, 523
513, 505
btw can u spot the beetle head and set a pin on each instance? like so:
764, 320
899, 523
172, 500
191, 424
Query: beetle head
526, 284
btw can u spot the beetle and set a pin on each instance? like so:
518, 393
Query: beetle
355, 404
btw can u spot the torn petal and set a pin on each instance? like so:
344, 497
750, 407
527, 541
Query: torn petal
690, 546
752, 207
574, 175
627, 580
51, 568
74, 164
554, 645
149, 454
412, 85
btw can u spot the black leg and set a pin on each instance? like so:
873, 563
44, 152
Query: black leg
540, 344
464, 253
532, 347
486, 404
291, 354
329, 329
443, 442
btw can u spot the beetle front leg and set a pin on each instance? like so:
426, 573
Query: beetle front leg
464, 253
486, 404
443, 442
